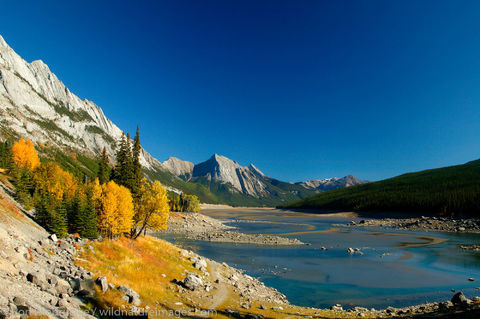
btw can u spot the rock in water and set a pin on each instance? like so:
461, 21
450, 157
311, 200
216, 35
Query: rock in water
459, 299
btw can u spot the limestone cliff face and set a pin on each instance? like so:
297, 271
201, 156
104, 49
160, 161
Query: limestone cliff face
34, 103
332, 183
247, 180
176, 166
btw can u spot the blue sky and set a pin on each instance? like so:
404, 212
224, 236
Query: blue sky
302, 89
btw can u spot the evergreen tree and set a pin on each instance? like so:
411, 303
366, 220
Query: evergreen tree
130, 177
44, 211
121, 157
74, 212
59, 224
137, 167
87, 219
103, 169
6, 156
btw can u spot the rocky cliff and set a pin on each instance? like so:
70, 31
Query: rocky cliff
182, 169
34, 103
224, 170
332, 183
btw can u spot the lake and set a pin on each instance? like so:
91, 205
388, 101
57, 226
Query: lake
397, 268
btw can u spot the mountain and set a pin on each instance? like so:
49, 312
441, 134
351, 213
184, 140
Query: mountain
247, 185
182, 169
447, 191
35, 104
332, 183
243, 179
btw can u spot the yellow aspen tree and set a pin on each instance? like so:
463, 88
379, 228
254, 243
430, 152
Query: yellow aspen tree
116, 210
96, 191
24, 154
152, 210
51, 178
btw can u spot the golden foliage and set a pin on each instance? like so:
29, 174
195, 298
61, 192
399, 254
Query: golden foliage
152, 209
116, 209
24, 154
52, 179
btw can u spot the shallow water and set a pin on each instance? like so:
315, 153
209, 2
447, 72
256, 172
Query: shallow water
419, 266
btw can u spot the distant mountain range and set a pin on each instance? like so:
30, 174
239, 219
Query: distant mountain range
447, 191
223, 175
35, 104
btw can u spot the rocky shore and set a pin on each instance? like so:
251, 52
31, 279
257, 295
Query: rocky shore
437, 224
241, 238
200, 227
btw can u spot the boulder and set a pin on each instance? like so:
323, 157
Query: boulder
103, 283
350, 250
38, 279
133, 296
19, 301
459, 299
53, 237
336, 307
193, 282
200, 264
62, 287
83, 286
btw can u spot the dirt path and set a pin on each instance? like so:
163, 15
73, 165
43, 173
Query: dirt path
221, 293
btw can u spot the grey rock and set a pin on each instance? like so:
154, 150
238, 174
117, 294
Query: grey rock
38, 279
78, 284
62, 287
193, 282
103, 283
133, 296
19, 301
459, 299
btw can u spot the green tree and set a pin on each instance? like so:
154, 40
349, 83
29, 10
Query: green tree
104, 168
137, 166
87, 219
6, 156
44, 210
119, 175
59, 222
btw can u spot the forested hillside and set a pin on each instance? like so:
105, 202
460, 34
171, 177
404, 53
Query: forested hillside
448, 191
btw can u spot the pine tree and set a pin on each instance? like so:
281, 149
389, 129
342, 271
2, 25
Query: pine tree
86, 222
6, 156
44, 211
74, 212
129, 178
137, 166
103, 169
59, 223
121, 157
89, 222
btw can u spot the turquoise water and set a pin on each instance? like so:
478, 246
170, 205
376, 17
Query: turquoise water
416, 267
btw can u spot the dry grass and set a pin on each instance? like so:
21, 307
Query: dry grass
140, 264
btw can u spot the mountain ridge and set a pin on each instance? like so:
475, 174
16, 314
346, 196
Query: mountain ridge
34, 103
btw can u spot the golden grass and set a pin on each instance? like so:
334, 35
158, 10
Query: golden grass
139, 264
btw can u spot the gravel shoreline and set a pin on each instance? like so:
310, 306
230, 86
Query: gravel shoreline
200, 227
436, 224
